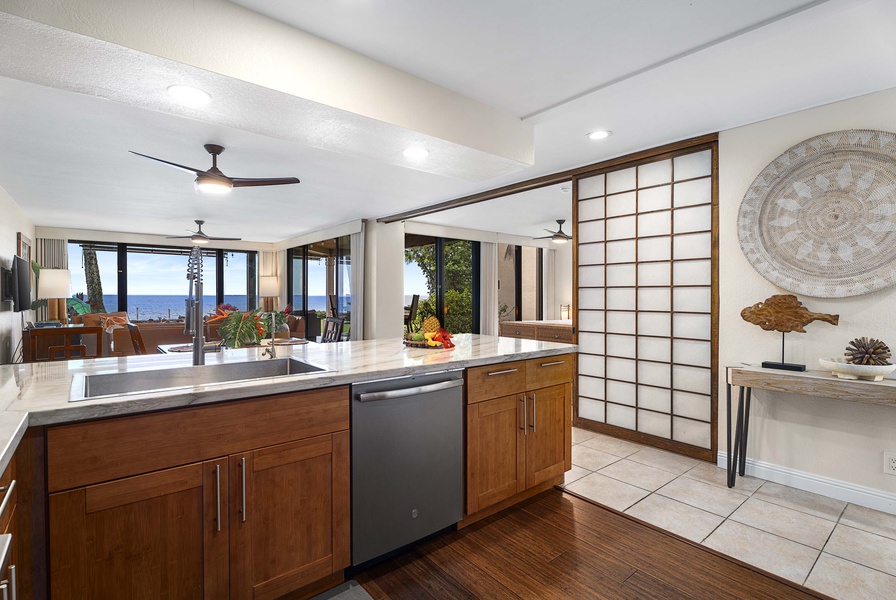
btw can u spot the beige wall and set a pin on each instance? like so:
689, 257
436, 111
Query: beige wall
829, 438
12, 220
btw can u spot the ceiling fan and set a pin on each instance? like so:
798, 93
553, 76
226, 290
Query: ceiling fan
558, 236
213, 181
199, 237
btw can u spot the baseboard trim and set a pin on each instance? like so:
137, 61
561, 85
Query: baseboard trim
826, 486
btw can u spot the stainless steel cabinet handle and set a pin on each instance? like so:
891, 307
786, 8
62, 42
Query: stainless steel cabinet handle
551, 364
534, 414
525, 414
504, 372
523, 400
218, 496
5, 503
412, 391
12, 581
243, 477
4, 588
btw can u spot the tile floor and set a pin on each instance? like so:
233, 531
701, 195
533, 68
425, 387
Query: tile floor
840, 549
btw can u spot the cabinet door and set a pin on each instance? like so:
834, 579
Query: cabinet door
139, 537
289, 512
496, 458
545, 443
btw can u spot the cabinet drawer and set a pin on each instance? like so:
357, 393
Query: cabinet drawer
555, 334
494, 381
518, 330
550, 370
87, 453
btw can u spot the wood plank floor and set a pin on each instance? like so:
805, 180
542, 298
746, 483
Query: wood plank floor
559, 546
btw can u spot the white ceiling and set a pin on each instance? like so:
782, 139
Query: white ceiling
525, 55
63, 155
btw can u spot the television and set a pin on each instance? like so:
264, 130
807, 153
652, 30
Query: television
21, 284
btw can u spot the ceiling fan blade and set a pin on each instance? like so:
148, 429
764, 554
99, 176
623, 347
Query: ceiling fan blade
227, 239
551, 232
178, 237
170, 164
547, 237
254, 182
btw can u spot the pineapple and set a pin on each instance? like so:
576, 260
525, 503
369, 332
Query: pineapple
431, 325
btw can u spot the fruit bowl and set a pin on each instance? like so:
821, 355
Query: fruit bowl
845, 370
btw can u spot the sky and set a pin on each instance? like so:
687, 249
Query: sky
156, 274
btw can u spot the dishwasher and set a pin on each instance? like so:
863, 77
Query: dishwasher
407, 460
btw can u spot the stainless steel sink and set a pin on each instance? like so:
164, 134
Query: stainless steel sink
108, 384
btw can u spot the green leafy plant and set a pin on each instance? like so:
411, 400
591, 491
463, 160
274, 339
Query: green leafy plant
241, 329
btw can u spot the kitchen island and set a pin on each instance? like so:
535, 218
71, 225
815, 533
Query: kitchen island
214, 449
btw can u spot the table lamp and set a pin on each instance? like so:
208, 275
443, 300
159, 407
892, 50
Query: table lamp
268, 289
54, 285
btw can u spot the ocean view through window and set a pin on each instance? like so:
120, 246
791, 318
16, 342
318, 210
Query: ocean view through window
154, 278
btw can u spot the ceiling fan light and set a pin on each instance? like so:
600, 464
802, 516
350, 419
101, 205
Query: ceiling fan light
199, 239
559, 238
212, 185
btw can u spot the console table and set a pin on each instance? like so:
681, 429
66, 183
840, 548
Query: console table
809, 383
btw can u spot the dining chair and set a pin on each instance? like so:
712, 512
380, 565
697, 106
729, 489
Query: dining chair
136, 339
332, 330
411, 315
332, 306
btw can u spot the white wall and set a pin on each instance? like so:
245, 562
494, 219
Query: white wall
12, 221
829, 438
562, 277
384, 280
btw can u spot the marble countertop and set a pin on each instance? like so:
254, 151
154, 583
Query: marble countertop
52, 393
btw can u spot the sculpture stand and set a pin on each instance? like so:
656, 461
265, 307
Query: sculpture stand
767, 364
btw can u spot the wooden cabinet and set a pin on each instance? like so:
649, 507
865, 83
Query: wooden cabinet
518, 428
259, 522
288, 516
139, 537
544, 331
10, 573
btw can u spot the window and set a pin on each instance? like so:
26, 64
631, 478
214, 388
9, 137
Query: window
149, 282
520, 283
445, 273
318, 270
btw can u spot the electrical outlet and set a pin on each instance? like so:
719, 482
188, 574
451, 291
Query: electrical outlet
890, 463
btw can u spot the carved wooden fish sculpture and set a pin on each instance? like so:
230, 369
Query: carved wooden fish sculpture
784, 313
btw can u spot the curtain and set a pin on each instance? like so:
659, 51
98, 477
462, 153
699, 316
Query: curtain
549, 285
357, 282
49, 254
488, 288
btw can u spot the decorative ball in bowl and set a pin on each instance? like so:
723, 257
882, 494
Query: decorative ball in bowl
845, 370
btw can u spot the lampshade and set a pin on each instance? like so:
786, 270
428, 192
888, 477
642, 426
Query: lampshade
54, 283
268, 286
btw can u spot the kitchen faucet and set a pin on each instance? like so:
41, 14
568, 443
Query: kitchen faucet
272, 351
193, 318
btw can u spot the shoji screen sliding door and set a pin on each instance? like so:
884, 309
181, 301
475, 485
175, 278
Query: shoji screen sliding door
646, 312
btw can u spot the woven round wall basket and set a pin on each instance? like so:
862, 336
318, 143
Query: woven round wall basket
820, 219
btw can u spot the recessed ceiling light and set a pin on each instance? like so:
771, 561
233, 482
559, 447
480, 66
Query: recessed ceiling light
416, 153
189, 96
600, 134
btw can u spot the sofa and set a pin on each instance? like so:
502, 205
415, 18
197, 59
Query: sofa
159, 334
